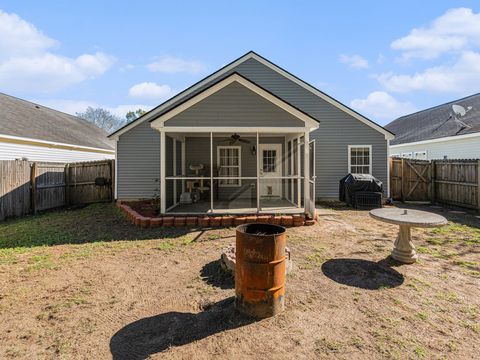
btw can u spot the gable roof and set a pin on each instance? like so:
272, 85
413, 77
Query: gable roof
21, 118
437, 122
250, 55
242, 80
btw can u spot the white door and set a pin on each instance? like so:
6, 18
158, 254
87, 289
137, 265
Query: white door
270, 167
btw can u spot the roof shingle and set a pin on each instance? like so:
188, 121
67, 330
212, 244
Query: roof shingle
25, 119
437, 122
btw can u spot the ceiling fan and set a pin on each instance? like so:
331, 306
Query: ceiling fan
234, 138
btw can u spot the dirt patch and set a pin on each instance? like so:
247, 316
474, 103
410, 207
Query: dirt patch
164, 296
148, 208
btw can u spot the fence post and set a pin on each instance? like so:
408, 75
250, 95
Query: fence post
402, 182
67, 184
33, 188
432, 180
112, 177
478, 185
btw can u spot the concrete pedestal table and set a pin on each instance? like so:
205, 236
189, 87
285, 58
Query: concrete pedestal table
404, 251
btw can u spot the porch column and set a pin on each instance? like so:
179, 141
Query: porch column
211, 172
162, 172
258, 175
306, 174
299, 171
184, 172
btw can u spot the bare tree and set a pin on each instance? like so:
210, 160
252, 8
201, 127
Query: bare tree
103, 118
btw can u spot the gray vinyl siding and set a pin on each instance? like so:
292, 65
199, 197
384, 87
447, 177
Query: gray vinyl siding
139, 155
337, 129
138, 162
234, 105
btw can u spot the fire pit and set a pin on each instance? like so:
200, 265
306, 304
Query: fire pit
260, 269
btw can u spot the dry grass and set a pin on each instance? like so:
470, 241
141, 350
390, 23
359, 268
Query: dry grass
86, 284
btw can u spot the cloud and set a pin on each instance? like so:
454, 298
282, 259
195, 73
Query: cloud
27, 62
20, 38
75, 106
463, 76
171, 64
458, 29
150, 90
381, 105
354, 61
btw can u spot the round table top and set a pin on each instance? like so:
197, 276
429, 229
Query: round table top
413, 218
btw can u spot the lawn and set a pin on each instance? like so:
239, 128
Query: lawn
85, 283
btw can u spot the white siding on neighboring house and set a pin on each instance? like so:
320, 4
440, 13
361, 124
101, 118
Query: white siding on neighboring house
11, 151
464, 147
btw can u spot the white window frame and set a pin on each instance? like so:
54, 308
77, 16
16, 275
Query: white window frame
422, 152
407, 155
350, 147
239, 148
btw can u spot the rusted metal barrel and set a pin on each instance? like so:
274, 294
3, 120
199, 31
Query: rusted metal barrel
260, 269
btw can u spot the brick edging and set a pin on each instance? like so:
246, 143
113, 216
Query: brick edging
212, 221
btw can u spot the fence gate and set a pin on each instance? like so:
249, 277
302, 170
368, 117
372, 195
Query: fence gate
411, 180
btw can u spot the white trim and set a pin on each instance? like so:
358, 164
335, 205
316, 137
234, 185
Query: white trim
115, 194
308, 120
446, 138
163, 201
259, 208
388, 168
239, 149
211, 171
299, 170
267, 63
54, 143
370, 157
236, 129
174, 144
306, 174
184, 167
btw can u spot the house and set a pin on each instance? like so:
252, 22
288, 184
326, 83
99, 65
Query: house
448, 131
37, 133
251, 137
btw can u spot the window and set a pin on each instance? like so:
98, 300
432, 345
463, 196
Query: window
420, 155
269, 161
360, 159
228, 162
407, 155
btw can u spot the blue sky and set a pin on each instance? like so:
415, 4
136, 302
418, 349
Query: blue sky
383, 58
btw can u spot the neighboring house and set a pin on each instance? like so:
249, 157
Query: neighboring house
267, 142
448, 131
37, 133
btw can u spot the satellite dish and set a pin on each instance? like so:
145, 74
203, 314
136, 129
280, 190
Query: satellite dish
460, 110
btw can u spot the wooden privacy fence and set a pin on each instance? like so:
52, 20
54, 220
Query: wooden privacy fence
452, 182
27, 187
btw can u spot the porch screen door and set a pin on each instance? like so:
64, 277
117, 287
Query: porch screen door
270, 167
312, 178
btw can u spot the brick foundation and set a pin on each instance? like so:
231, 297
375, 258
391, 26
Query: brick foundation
212, 221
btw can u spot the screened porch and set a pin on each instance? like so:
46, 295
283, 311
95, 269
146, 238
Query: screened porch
237, 173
